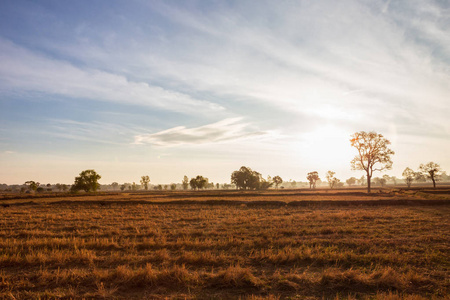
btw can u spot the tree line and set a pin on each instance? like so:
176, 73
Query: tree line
373, 155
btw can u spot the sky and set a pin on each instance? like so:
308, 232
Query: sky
174, 88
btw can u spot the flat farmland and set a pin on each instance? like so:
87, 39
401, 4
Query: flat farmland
293, 244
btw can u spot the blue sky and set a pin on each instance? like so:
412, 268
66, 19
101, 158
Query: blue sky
174, 88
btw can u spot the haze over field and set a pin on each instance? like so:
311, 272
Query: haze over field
174, 88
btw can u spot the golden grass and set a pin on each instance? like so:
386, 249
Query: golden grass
92, 250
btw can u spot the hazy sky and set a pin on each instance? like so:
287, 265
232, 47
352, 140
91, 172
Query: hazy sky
174, 88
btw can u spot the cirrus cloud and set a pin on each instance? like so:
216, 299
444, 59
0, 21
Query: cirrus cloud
225, 130
24, 70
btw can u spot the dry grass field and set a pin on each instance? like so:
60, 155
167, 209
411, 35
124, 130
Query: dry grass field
227, 245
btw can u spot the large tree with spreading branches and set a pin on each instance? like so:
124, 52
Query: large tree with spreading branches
373, 153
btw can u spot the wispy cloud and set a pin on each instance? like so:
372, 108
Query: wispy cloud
309, 56
225, 130
306, 70
21, 69
94, 132
294, 56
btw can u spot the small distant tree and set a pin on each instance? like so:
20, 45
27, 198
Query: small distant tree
87, 181
114, 186
265, 184
144, 181
332, 181
217, 186
409, 176
444, 176
313, 177
247, 179
431, 171
351, 181
394, 180
373, 153
198, 182
193, 184
363, 180
32, 185
277, 180
123, 187
173, 186
185, 182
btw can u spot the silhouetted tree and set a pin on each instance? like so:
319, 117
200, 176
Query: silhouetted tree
114, 185
373, 153
444, 176
198, 182
277, 180
245, 178
87, 181
173, 186
332, 181
351, 181
431, 170
185, 182
313, 177
409, 176
144, 181
32, 185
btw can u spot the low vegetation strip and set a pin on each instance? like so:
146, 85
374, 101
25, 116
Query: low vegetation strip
392, 202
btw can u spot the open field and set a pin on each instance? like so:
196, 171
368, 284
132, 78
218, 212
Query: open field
275, 244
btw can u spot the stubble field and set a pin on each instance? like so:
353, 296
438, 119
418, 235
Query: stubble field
275, 245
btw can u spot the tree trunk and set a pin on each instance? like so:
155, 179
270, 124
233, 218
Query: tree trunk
434, 182
368, 182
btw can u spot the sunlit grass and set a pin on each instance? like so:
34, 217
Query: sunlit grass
201, 251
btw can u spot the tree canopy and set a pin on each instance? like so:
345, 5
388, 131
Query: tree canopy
373, 153
277, 180
431, 170
247, 179
332, 181
32, 185
313, 177
198, 182
409, 176
185, 182
145, 181
87, 181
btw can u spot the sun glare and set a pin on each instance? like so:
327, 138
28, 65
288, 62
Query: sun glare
327, 147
